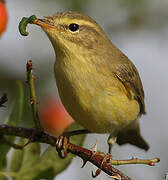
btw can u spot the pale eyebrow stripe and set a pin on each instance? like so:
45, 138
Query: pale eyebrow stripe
81, 23
93, 29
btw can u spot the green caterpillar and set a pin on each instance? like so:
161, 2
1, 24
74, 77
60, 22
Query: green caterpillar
23, 24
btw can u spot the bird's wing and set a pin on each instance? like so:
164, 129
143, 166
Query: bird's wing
127, 73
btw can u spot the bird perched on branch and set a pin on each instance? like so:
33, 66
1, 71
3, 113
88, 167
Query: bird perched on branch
98, 85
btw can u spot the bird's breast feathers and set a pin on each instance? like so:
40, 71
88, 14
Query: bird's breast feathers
98, 102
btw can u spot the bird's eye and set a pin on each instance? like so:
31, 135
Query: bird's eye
73, 27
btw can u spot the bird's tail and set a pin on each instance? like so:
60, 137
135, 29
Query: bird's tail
132, 136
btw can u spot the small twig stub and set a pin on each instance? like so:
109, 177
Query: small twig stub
33, 99
3, 99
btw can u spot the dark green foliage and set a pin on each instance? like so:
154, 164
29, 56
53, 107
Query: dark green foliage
30, 163
14, 119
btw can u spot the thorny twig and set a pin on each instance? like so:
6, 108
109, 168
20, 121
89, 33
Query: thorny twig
85, 154
33, 99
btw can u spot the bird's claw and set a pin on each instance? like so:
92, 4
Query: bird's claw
84, 163
98, 171
61, 144
106, 158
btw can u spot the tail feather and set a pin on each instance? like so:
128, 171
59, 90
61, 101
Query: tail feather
132, 136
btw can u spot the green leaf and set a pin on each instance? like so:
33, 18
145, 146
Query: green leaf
16, 115
2, 176
31, 156
14, 119
17, 157
23, 161
52, 164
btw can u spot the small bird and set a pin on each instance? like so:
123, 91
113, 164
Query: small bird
98, 85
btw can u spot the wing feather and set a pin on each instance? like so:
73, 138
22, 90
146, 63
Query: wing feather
127, 73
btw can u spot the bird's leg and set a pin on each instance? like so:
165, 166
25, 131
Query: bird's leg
61, 144
111, 141
106, 157
76, 132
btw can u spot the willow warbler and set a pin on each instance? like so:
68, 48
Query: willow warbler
98, 85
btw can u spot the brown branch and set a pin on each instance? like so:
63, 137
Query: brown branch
85, 154
4, 140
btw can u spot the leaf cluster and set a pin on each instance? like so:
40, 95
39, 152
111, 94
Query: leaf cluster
35, 161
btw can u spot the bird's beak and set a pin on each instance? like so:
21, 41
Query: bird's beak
44, 23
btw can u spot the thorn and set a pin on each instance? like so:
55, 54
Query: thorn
94, 148
98, 171
84, 163
116, 176
133, 158
93, 175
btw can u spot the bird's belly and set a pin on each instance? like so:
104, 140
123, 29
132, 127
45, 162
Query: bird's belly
96, 109
101, 113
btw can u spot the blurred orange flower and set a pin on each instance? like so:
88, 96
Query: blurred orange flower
3, 17
53, 117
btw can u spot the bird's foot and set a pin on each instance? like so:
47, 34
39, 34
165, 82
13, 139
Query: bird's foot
106, 159
76, 132
111, 141
61, 145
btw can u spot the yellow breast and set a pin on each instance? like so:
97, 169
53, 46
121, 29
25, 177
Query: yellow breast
97, 101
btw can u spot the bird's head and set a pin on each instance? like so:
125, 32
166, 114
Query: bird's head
73, 32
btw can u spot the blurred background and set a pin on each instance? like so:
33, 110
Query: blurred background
139, 28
